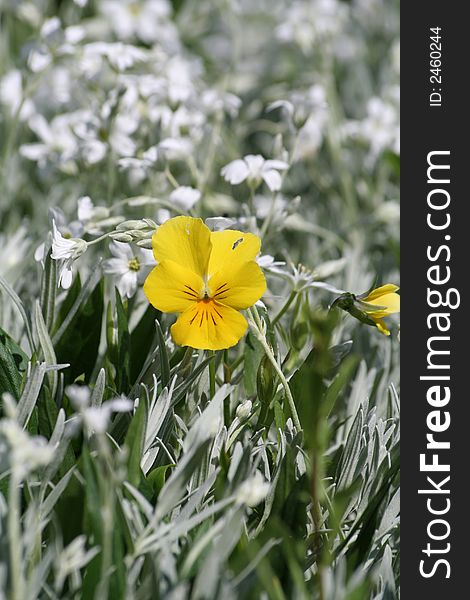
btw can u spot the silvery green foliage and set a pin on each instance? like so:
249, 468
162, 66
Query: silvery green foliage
121, 476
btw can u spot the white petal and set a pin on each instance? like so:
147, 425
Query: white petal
265, 261
94, 151
273, 180
235, 172
146, 257
121, 250
65, 276
279, 165
185, 197
85, 208
119, 404
34, 151
115, 266
61, 247
219, 223
255, 164
285, 104
127, 284
39, 253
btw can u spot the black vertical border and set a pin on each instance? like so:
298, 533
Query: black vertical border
424, 129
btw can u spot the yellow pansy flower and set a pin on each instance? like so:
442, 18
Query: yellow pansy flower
379, 303
207, 278
372, 306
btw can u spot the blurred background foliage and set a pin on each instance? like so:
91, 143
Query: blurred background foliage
121, 474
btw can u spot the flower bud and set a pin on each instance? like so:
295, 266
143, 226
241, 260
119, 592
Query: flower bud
244, 410
131, 224
121, 237
145, 243
265, 380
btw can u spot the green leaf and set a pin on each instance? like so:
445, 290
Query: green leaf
78, 345
164, 360
350, 456
47, 348
13, 363
123, 354
141, 341
10, 292
134, 442
157, 478
254, 352
49, 289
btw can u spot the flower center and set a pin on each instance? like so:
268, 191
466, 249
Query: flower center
134, 264
135, 9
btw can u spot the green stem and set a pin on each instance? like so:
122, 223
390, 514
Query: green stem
107, 517
316, 517
256, 325
14, 537
98, 239
171, 178
212, 374
285, 308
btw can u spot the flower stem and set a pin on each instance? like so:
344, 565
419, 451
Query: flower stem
98, 239
285, 308
256, 325
212, 374
169, 175
14, 535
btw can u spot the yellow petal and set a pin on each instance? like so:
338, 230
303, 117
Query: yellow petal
240, 287
388, 288
391, 302
232, 248
172, 288
209, 325
380, 324
184, 240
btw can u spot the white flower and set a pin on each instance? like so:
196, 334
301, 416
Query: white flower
380, 126
215, 101
66, 251
121, 56
173, 148
100, 132
95, 418
74, 557
303, 104
79, 395
12, 95
308, 23
149, 20
129, 267
138, 168
266, 261
184, 197
253, 491
23, 452
58, 145
254, 168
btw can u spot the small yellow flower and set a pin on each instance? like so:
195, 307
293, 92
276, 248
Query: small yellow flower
379, 303
207, 278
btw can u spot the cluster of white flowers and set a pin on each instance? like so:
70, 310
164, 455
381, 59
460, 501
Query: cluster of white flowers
120, 106
95, 419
